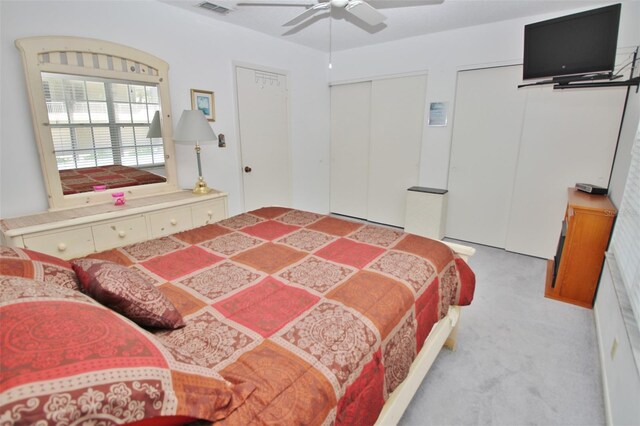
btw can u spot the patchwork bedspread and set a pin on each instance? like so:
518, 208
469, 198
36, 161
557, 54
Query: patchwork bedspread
75, 181
322, 315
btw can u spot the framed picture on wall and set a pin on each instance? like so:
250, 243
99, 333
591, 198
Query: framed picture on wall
205, 102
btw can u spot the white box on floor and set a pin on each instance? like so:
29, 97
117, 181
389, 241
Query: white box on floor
426, 212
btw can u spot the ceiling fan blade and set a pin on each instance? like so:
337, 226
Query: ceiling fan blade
387, 4
307, 13
365, 12
274, 3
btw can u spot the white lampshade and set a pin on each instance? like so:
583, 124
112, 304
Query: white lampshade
155, 131
193, 127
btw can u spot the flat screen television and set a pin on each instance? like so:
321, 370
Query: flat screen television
576, 44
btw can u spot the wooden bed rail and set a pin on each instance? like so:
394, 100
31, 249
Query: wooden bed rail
463, 251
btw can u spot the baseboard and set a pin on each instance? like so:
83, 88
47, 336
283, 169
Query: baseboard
601, 353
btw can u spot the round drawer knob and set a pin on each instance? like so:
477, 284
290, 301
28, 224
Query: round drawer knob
210, 213
62, 247
174, 222
122, 234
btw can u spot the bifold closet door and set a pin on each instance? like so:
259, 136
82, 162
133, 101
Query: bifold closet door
350, 134
516, 151
376, 136
397, 120
484, 151
568, 136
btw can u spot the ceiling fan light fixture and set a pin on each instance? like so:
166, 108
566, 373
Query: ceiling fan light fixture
365, 12
339, 3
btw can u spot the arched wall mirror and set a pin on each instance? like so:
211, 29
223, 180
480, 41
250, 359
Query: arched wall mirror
102, 119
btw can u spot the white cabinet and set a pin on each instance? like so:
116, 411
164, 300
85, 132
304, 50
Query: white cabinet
77, 232
426, 212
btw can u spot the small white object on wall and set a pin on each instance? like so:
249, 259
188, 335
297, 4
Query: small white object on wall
437, 114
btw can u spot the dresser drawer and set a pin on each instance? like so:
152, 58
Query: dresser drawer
206, 213
120, 233
65, 244
170, 221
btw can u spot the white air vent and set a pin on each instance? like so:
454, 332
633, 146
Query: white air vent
214, 7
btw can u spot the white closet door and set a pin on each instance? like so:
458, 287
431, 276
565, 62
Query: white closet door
264, 138
350, 133
484, 151
397, 119
568, 136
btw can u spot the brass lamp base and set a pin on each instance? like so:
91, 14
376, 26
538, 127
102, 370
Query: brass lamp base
201, 187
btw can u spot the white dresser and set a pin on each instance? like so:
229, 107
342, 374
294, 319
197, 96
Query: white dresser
80, 231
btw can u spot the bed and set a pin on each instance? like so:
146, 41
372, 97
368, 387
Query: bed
273, 316
75, 181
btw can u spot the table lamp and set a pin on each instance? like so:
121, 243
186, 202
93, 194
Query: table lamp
193, 127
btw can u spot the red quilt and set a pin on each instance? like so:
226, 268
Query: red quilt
323, 316
67, 360
75, 181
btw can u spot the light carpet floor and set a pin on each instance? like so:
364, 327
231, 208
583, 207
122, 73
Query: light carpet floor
521, 359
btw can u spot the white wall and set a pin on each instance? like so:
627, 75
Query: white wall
621, 375
200, 52
627, 135
442, 55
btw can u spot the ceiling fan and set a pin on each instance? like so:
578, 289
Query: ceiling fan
361, 9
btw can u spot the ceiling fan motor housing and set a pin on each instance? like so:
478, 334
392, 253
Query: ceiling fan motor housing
339, 3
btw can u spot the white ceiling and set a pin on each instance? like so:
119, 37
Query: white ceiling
405, 18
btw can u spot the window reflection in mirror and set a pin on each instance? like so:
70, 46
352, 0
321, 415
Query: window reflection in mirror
99, 131
92, 102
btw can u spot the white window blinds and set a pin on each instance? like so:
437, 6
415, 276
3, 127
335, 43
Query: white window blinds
97, 122
625, 242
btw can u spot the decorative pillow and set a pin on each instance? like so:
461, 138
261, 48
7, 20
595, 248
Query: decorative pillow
128, 292
68, 360
19, 262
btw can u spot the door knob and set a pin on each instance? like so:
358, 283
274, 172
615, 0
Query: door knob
247, 169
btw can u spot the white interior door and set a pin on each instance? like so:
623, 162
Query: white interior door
484, 151
350, 134
397, 120
263, 114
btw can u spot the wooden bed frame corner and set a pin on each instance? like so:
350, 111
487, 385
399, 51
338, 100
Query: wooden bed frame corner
443, 333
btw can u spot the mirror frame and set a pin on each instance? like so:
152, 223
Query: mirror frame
59, 54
